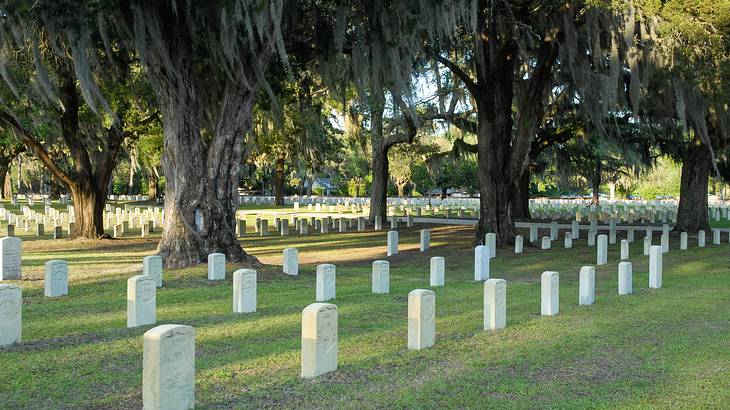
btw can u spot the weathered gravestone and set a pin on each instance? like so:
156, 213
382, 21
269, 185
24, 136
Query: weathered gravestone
625, 278
326, 282
602, 250
291, 261
437, 271
655, 267
319, 339
392, 246
10, 258
545, 243
11, 321
549, 293
481, 263
425, 239
56, 278
216, 266
495, 304
519, 244
381, 277
587, 286
141, 301
624, 249
168, 375
244, 291
421, 319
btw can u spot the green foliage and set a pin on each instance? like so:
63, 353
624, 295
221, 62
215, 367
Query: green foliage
662, 180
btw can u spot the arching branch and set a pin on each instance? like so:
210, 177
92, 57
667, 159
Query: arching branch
32, 143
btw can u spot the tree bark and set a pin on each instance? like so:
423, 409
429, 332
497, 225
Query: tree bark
7, 187
379, 186
4, 167
596, 183
201, 181
279, 180
153, 181
521, 201
693, 207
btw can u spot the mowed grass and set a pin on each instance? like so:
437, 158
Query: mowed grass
654, 349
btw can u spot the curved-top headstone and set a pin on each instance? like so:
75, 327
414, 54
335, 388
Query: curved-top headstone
10, 258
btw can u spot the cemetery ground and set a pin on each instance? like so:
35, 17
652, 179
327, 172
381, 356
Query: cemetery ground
668, 347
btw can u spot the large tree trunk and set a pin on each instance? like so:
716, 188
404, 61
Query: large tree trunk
496, 184
88, 211
692, 212
596, 183
521, 201
152, 183
279, 180
497, 177
201, 182
379, 187
4, 179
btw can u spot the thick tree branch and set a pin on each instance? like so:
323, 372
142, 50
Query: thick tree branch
33, 145
471, 85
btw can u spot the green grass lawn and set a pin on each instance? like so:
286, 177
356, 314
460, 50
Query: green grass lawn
654, 349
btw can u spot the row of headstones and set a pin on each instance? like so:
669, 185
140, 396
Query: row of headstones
169, 350
604, 240
40, 230
323, 225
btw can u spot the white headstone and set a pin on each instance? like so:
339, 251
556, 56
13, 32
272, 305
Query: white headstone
481, 263
425, 240
244, 291
587, 286
624, 249
168, 375
602, 250
575, 230
495, 304
319, 339
381, 277
549, 293
568, 240
56, 278
554, 231
490, 241
141, 301
683, 241
421, 319
655, 267
519, 244
716, 237
290, 261
437, 271
152, 266
545, 243
665, 242
326, 280
533, 233
392, 243
11, 321
647, 245
591, 238
624, 278
216, 266
701, 238
10, 258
